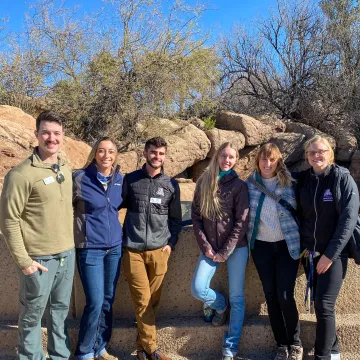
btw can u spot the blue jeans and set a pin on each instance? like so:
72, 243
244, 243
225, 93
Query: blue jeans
99, 271
200, 289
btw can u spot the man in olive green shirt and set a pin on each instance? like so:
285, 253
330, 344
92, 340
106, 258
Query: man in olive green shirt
37, 223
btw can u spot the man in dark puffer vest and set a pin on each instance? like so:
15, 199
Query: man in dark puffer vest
151, 228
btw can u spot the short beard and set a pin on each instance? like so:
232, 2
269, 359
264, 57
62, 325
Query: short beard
154, 167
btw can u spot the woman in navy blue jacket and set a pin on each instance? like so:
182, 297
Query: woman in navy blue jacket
96, 198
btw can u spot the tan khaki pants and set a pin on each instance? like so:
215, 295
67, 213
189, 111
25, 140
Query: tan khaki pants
145, 271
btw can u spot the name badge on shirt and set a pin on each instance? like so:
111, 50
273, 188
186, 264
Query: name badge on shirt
48, 180
155, 200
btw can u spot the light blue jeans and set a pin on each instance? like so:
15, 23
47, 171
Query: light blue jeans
200, 289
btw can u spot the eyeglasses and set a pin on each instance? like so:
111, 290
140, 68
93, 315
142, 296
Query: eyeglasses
313, 153
60, 178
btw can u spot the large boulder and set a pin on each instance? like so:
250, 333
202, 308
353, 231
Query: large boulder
246, 164
308, 131
218, 137
198, 168
290, 145
186, 147
197, 122
355, 167
152, 127
75, 152
128, 161
346, 145
273, 121
16, 115
15, 133
255, 131
187, 190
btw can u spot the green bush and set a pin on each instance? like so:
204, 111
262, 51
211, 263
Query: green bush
209, 123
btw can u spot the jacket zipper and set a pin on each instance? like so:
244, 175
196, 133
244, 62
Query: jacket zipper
107, 195
107, 199
316, 214
147, 214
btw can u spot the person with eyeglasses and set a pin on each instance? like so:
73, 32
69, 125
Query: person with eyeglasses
98, 238
328, 205
37, 223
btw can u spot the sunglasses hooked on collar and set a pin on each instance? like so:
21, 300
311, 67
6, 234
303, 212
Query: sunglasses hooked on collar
60, 178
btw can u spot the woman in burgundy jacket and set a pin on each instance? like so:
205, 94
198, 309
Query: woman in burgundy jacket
220, 219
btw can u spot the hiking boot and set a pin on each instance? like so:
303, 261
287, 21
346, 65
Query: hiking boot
142, 355
208, 313
106, 356
157, 355
220, 317
282, 353
296, 352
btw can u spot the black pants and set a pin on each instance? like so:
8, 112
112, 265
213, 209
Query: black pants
326, 290
277, 271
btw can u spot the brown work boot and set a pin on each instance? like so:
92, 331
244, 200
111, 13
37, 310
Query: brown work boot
142, 355
157, 355
282, 353
106, 356
296, 352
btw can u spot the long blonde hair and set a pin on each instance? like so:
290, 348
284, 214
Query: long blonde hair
91, 157
271, 150
210, 202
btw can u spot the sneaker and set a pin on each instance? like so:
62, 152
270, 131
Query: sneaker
296, 352
335, 356
141, 355
228, 358
106, 356
157, 355
220, 318
282, 353
208, 313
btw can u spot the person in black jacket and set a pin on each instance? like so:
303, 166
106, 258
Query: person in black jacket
151, 227
328, 203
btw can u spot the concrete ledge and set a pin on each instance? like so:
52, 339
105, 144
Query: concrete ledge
176, 299
191, 338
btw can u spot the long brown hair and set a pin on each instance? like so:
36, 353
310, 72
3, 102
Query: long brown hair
271, 150
210, 203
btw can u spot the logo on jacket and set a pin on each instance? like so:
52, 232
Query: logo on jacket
160, 191
327, 196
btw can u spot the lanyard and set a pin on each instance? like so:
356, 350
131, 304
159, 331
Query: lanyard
309, 303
